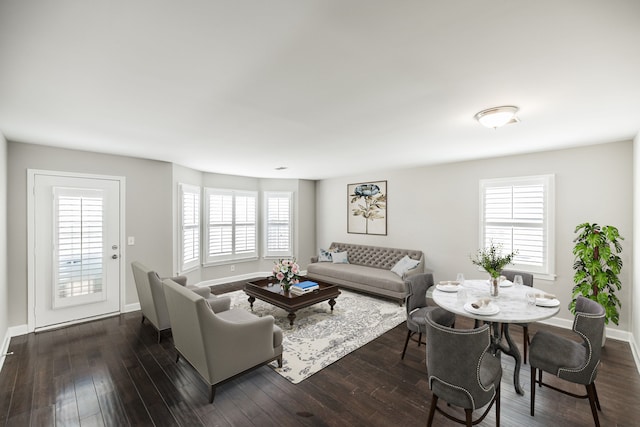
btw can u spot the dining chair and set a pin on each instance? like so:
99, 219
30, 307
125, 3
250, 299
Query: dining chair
571, 360
462, 370
527, 280
417, 308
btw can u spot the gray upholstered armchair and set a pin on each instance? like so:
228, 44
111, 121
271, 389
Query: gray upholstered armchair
221, 345
573, 361
462, 371
152, 299
417, 308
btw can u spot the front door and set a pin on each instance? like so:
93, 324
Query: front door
76, 259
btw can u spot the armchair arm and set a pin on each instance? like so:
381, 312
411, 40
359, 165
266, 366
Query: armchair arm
204, 292
181, 280
219, 304
245, 343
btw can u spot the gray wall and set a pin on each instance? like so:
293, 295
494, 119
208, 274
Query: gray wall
148, 211
4, 290
436, 209
635, 304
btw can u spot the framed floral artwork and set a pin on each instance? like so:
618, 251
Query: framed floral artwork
367, 208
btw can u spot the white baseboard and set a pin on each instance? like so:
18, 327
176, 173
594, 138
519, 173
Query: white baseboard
131, 307
5, 348
635, 352
16, 331
239, 278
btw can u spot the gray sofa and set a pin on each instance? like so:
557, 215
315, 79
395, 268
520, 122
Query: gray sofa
368, 270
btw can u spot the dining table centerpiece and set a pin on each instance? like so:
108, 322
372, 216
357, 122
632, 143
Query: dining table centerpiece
287, 272
493, 262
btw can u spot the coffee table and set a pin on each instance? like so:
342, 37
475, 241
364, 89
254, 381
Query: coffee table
270, 291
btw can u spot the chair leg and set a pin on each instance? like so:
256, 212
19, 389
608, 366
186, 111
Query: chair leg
405, 344
595, 392
142, 319
419, 338
432, 410
159, 337
525, 332
177, 356
540, 378
212, 393
591, 393
498, 406
279, 361
468, 417
533, 388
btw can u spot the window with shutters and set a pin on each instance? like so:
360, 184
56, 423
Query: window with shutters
190, 226
518, 213
278, 224
230, 225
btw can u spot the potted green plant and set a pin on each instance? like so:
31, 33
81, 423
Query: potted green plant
597, 266
492, 260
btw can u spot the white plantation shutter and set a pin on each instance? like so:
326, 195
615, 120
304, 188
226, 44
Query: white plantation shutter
220, 208
278, 224
78, 243
190, 226
245, 219
231, 228
518, 214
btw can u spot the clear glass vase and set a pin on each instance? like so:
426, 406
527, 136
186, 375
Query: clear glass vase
494, 290
286, 286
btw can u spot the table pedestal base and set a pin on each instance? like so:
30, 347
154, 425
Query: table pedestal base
511, 349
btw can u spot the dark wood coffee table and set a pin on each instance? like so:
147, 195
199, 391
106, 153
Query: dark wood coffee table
268, 290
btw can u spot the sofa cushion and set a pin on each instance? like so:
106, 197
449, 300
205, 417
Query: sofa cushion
371, 276
340, 257
405, 264
324, 256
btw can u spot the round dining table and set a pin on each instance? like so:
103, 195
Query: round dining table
511, 306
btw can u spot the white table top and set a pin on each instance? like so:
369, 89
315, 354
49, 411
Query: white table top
511, 300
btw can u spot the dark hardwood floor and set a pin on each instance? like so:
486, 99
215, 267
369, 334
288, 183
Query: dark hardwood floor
113, 372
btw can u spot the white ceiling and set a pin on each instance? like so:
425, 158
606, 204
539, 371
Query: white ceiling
324, 87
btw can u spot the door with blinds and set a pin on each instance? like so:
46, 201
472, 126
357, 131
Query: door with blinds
76, 263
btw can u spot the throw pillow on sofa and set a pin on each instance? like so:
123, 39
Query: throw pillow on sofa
404, 265
324, 256
340, 257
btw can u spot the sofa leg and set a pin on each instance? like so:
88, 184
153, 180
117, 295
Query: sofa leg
280, 361
212, 393
142, 319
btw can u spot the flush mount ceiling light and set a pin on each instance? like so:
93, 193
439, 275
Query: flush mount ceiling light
497, 116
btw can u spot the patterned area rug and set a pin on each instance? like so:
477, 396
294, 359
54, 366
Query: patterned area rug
318, 337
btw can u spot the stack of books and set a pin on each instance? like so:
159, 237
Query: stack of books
303, 287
